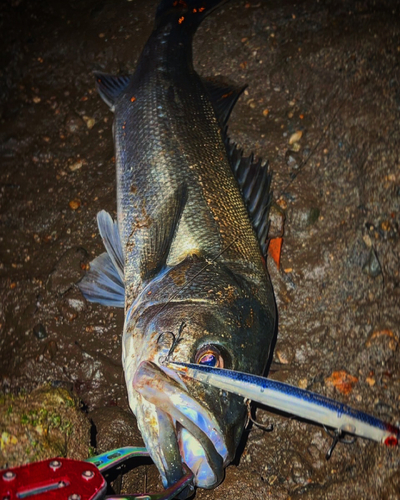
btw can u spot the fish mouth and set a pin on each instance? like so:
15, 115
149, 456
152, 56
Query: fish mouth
176, 428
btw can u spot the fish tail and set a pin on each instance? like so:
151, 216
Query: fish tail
187, 13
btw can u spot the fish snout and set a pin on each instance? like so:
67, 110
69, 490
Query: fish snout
181, 430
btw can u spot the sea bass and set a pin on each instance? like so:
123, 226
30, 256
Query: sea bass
186, 256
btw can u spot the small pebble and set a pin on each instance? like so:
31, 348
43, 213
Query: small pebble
302, 383
282, 203
372, 267
295, 137
291, 161
284, 357
74, 123
367, 240
51, 349
90, 122
74, 204
39, 331
370, 381
76, 166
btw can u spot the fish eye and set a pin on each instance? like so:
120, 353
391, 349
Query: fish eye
209, 355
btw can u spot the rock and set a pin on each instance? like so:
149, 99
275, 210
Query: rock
67, 271
77, 165
73, 304
292, 159
74, 123
372, 267
39, 331
47, 422
114, 428
51, 349
295, 137
74, 204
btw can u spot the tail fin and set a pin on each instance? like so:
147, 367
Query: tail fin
188, 13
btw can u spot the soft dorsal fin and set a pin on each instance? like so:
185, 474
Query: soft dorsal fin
110, 87
223, 97
254, 179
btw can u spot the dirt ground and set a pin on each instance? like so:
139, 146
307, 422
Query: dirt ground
328, 70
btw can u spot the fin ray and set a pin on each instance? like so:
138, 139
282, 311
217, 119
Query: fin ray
154, 255
102, 283
109, 233
254, 179
223, 97
110, 87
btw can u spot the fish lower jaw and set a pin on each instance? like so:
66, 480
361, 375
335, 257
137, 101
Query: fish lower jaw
194, 456
176, 428
189, 451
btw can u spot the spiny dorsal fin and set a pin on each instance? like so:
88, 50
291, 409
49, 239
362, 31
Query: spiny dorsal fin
110, 87
223, 97
254, 179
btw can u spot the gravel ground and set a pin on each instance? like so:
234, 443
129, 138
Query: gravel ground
323, 106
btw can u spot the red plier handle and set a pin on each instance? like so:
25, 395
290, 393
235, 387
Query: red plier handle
66, 479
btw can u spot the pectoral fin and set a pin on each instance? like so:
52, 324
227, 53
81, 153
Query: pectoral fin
112, 242
155, 252
102, 283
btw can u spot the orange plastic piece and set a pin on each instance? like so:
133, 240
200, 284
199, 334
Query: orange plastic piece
274, 249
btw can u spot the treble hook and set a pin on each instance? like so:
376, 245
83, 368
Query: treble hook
175, 341
337, 437
264, 427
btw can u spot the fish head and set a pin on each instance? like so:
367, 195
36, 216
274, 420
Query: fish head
182, 420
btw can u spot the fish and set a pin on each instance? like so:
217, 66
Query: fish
186, 256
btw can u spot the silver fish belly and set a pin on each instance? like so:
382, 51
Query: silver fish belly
186, 256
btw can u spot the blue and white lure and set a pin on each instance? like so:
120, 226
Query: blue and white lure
294, 401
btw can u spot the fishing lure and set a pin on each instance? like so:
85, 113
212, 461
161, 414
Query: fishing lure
295, 401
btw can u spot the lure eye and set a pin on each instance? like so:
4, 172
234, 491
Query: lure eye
209, 355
